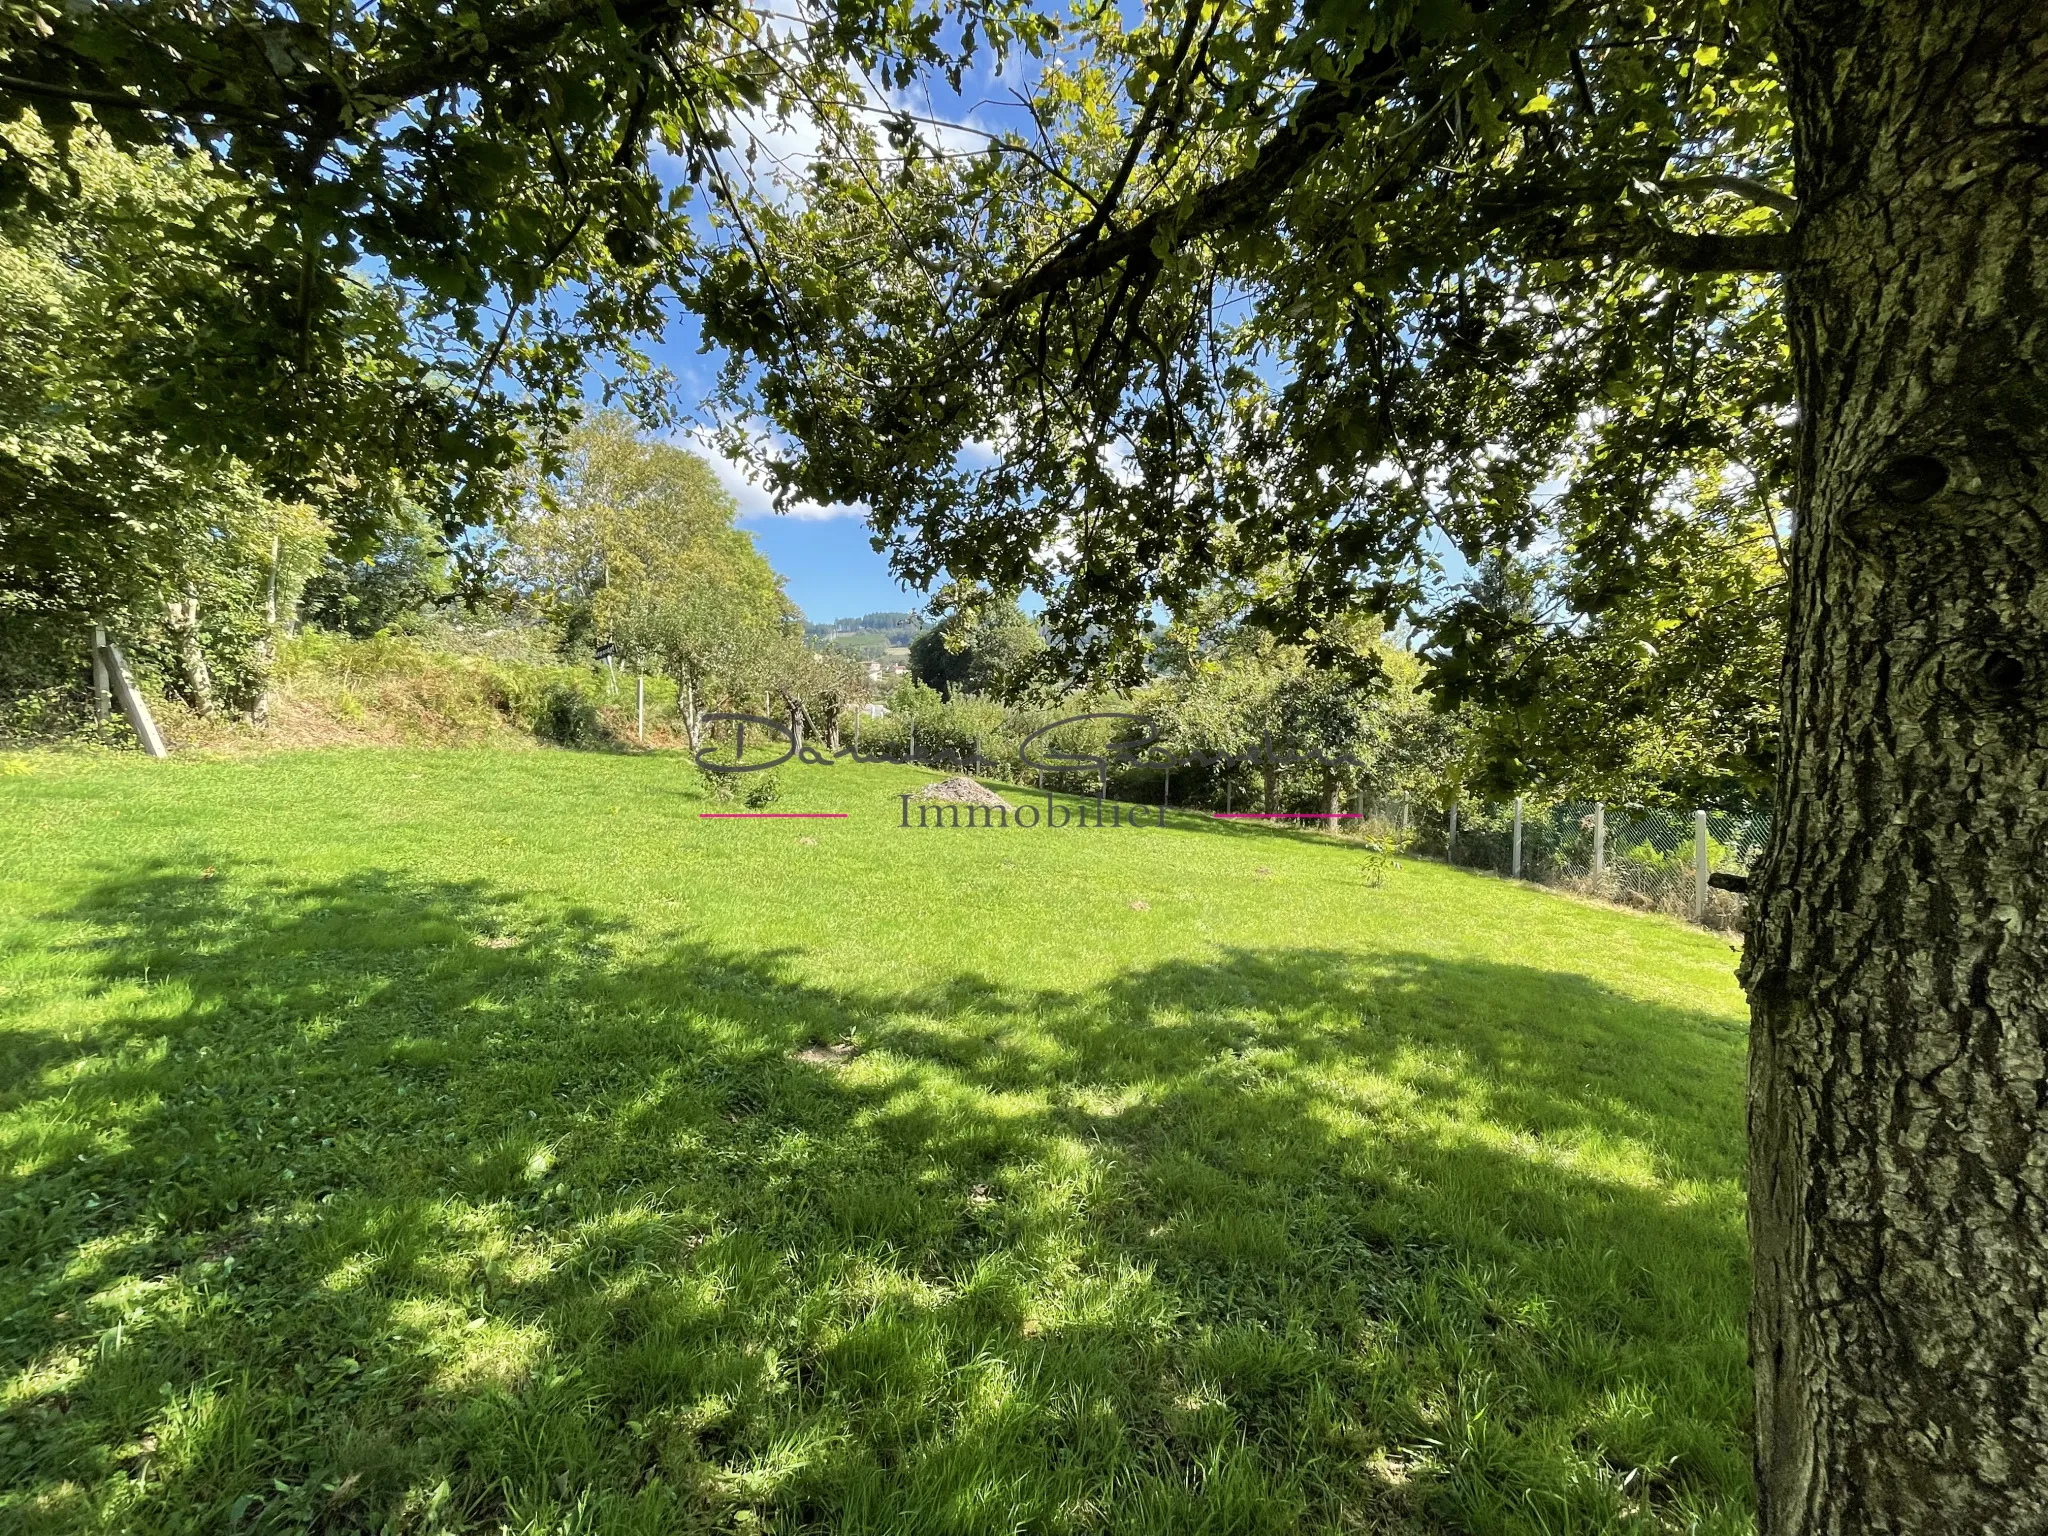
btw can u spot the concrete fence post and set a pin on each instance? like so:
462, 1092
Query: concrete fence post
640, 688
132, 703
1517, 866
1599, 838
1451, 839
1699, 866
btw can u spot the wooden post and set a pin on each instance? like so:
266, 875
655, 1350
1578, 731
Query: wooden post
1166, 791
132, 703
1404, 821
1699, 866
1599, 838
1451, 841
913, 738
640, 688
1517, 866
102, 692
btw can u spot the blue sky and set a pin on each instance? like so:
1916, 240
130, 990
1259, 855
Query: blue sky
828, 567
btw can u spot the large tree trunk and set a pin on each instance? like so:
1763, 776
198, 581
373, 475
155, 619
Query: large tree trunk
1899, 1057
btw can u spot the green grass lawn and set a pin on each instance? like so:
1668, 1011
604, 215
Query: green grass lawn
434, 1141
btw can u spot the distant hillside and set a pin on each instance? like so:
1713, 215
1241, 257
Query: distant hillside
872, 635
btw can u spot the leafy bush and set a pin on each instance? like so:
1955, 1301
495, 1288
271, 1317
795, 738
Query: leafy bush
48, 713
568, 717
762, 790
391, 589
718, 786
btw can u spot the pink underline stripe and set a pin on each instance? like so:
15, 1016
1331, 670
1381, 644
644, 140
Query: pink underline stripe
1285, 815
769, 815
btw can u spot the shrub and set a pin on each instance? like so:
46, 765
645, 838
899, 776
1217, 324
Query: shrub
718, 786
392, 589
762, 790
568, 717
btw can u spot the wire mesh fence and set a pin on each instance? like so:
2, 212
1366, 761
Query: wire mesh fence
1650, 858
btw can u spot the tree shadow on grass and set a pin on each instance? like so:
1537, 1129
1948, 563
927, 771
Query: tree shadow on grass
391, 1204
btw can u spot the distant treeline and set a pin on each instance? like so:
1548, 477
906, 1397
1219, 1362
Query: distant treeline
894, 628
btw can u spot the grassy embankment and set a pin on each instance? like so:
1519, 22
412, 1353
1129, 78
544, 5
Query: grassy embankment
447, 688
427, 1141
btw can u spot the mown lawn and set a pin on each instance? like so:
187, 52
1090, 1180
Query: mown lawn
434, 1141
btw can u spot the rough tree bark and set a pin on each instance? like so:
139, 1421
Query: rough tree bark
195, 678
686, 706
1899, 1056
266, 650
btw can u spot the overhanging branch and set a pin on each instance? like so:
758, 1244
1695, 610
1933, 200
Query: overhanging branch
1746, 187
82, 95
1223, 207
322, 103
1660, 247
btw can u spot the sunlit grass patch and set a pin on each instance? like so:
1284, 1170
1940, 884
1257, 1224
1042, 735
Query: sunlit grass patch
466, 1153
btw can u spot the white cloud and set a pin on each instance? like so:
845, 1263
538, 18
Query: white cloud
743, 483
776, 144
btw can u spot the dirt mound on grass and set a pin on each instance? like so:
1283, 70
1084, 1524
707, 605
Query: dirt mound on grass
963, 791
